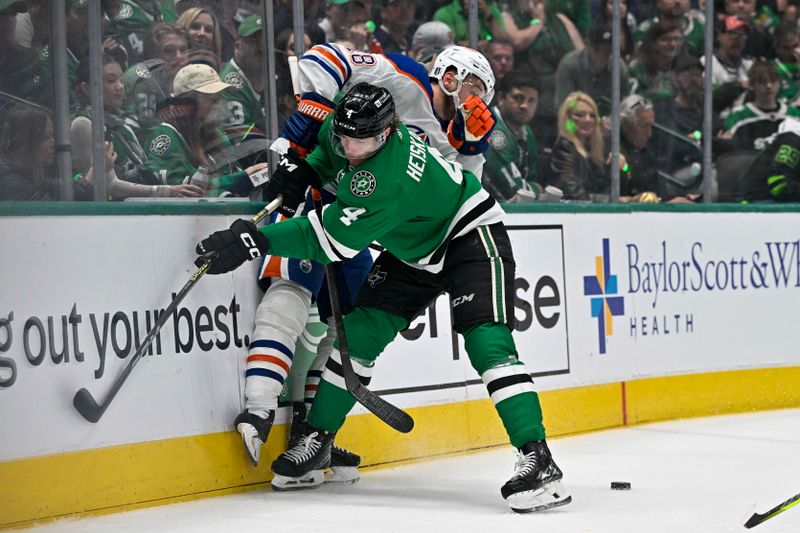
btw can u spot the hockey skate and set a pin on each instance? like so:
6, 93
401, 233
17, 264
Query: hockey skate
536, 483
344, 463
303, 466
254, 429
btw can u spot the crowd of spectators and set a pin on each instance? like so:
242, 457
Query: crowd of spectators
184, 89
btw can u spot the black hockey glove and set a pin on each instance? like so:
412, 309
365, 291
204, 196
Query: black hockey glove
291, 178
233, 247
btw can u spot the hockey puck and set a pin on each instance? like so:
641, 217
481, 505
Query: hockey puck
620, 485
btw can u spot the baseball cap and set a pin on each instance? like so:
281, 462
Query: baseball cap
433, 34
19, 6
732, 23
196, 77
249, 26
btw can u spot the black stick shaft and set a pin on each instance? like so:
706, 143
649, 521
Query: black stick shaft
393, 416
85, 403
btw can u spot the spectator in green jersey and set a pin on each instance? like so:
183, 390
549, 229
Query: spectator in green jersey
180, 148
510, 170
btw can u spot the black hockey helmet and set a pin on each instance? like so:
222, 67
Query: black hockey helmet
364, 111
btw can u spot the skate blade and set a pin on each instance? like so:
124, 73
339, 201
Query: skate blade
343, 475
312, 480
548, 497
252, 444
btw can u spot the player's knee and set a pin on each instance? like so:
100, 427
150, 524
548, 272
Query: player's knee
284, 307
490, 345
369, 331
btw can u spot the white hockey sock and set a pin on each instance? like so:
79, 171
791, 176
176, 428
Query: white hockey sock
280, 319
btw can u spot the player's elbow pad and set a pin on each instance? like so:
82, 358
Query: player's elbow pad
303, 126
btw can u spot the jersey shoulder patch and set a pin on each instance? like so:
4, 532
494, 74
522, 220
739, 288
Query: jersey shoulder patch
125, 12
498, 140
234, 78
363, 183
160, 145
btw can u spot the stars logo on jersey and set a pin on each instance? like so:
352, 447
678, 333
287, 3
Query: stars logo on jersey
125, 12
498, 140
235, 79
142, 71
363, 183
160, 145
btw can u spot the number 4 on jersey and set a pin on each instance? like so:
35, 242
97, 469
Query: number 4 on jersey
351, 214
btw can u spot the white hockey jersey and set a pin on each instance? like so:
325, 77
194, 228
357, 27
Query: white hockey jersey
327, 69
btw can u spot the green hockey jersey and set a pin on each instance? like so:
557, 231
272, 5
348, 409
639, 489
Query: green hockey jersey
244, 104
407, 197
171, 158
510, 161
135, 19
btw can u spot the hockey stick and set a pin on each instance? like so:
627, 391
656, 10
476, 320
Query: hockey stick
395, 417
84, 402
757, 518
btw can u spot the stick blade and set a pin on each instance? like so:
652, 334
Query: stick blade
86, 405
393, 416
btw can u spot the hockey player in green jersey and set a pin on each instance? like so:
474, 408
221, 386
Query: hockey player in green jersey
441, 232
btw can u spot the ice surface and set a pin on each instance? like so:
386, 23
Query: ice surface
700, 475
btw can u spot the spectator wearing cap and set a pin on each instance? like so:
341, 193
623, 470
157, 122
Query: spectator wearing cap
589, 70
728, 64
651, 69
456, 16
177, 148
20, 69
509, 174
245, 74
430, 39
787, 61
679, 147
678, 13
749, 125
500, 53
396, 30
759, 41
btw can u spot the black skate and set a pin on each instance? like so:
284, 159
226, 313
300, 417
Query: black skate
254, 430
536, 483
298, 428
344, 463
344, 467
302, 466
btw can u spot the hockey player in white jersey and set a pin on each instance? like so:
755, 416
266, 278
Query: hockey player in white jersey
450, 114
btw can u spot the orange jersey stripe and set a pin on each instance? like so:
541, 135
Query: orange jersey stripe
409, 76
333, 59
273, 268
269, 359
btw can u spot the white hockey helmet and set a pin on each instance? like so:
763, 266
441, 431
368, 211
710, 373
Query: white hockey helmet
465, 61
